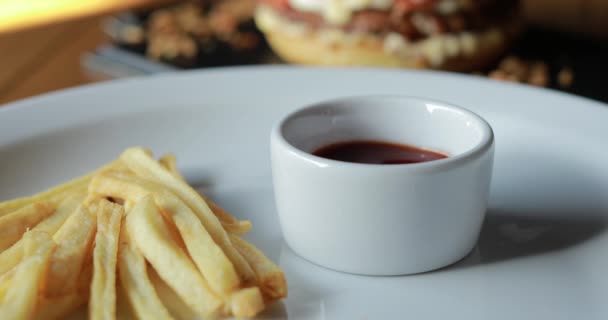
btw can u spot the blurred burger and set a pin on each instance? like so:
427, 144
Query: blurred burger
459, 35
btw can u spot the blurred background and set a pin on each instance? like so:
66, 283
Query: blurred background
54, 44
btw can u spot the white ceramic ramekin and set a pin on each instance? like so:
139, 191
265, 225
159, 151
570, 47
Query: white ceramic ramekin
382, 219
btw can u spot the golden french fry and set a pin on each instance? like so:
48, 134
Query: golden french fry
102, 302
198, 266
5, 282
14, 224
142, 163
56, 193
176, 306
246, 302
74, 241
65, 208
53, 195
91, 198
85, 278
123, 309
206, 254
135, 282
20, 300
118, 185
170, 163
146, 227
113, 184
31, 242
59, 307
270, 277
80, 214
229, 223
13, 255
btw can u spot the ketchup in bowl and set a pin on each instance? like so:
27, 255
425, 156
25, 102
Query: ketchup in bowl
376, 152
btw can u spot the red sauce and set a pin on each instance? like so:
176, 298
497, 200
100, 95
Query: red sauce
376, 152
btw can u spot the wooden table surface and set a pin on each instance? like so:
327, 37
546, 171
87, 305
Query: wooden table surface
46, 58
38, 56
22, 14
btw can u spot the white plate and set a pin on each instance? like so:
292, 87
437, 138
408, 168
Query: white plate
542, 253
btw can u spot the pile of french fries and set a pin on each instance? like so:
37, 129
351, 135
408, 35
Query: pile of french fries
133, 233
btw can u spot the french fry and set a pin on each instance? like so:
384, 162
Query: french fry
85, 278
59, 307
229, 223
176, 254
53, 195
20, 300
146, 226
118, 185
31, 242
169, 162
56, 193
113, 184
14, 224
142, 163
66, 207
206, 254
246, 302
5, 282
74, 241
176, 306
13, 255
135, 282
102, 302
270, 277
123, 309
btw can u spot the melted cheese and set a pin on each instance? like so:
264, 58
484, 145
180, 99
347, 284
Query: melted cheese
339, 11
